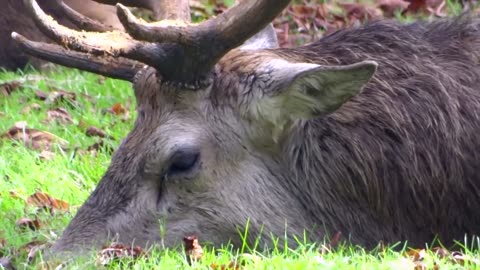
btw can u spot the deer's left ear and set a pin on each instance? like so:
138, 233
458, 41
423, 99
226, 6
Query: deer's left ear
265, 39
305, 91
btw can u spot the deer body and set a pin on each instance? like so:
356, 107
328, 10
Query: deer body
370, 131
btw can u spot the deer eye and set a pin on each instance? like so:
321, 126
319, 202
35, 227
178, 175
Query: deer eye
184, 161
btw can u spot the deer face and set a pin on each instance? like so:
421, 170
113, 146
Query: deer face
209, 161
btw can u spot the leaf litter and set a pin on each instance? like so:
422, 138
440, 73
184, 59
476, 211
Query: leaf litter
33, 138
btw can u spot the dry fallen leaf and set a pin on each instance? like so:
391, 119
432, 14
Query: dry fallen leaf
192, 248
230, 266
6, 264
32, 249
419, 265
45, 201
416, 254
33, 138
46, 155
39, 94
27, 223
7, 88
60, 115
118, 109
15, 195
96, 132
117, 251
59, 95
29, 108
441, 252
390, 7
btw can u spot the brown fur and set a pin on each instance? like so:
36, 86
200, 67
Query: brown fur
397, 162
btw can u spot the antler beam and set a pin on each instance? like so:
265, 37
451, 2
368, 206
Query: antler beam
118, 68
180, 51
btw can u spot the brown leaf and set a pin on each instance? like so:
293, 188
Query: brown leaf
29, 108
360, 12
441, 252
230, 266
326, 248
45, 201
33, 138
32, 248
99, 145
390, 7
118, 109
32, 244
39, 94
27, 223
60, 95
416, 254
15, 195
435, 7
96, 132
462, 259
117, 251
60, 115
46, 155
7, 88
6, 264
419, 265
192, 248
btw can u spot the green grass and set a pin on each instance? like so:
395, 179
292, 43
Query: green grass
72, 177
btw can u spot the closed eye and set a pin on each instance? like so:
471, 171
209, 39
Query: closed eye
184, 161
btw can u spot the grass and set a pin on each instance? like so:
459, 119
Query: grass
72, 177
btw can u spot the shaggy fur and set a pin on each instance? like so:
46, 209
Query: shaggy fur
400, 161
397, 162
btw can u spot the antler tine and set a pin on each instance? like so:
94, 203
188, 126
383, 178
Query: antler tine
228, 30
204, 44
181, 52
81, 21
118, 68
163, 10
113, 43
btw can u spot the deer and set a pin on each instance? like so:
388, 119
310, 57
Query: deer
371, 131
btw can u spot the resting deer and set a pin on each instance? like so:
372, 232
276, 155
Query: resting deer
371, 131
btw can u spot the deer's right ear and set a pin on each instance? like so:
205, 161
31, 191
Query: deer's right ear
305, 91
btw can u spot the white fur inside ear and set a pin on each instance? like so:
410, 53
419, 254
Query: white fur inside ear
282, 70
265, 39
305, 91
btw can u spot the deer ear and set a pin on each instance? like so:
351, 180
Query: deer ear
265, 39
305, 91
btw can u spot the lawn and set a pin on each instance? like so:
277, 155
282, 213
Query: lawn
57, 133
67, 162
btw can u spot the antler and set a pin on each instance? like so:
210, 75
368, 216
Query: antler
81, 21
165, 10
118, 68
180, 51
